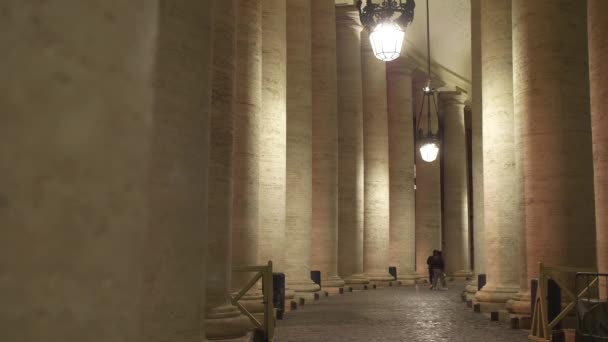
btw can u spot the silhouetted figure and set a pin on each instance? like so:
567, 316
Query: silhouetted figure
438, 266
428, 262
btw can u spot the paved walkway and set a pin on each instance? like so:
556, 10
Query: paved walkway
394, 314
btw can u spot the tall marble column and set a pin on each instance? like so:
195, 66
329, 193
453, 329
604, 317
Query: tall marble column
299, 151
402, 244
245, 171
499, 169
598, 76
428, 190
325, 144
223, 320
75, 155
350, 147
477, 151
376, 173
272, 125
456, 211
551, 95
175, 274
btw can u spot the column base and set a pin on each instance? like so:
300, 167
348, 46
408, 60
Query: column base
407, 279
333, 282
225, 322
306, 291
381, 280
470, 291
423, 278
356, 282
519, 304
461, 275
492, 298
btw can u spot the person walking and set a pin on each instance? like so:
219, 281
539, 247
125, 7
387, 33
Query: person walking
438, 266
428, 263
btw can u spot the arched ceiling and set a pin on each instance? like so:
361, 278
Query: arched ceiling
450, 33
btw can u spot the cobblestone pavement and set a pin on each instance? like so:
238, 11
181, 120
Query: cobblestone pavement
394, 314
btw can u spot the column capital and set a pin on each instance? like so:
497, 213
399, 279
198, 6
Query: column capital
348, 17
453, 98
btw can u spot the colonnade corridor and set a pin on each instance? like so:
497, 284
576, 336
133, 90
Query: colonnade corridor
394, 314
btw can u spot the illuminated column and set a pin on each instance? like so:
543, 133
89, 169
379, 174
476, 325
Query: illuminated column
502, 219
299, 151
456, 213
402, 245
76, 127
325, 144
272, 123
350, 147
248, 103
550, 63
598, 75
477, 150
428, 192
223, 320
376, 174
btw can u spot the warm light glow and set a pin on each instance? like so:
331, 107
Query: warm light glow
429, 151
386, 40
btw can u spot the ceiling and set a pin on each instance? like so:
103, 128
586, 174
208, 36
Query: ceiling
450, 34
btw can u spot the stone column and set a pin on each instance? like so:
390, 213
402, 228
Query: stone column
456, 211
245, 172
175, 263
477, 150
299, 151
75, 155
598, 71
428, 191
551, 95
350, 147
223, 320
402, 244
376, 173
272, 123
325, 144
499, 169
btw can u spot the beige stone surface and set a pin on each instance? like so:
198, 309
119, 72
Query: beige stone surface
350, 146
477, 149
402, 244
75, 156
245, 172
273, 140
376, 169
549, 60
222, 319
501, 216
598, 76
173, 292
456, 213
298, 230
324, 143
428, 189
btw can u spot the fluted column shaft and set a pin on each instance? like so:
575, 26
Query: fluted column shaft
350, 146
550, 60
75, 153
376, 173
223, 320
272, 123
456, 213
500, 172
428, 191
402, 244
248, 103
598, 76
324, 143
299, 150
